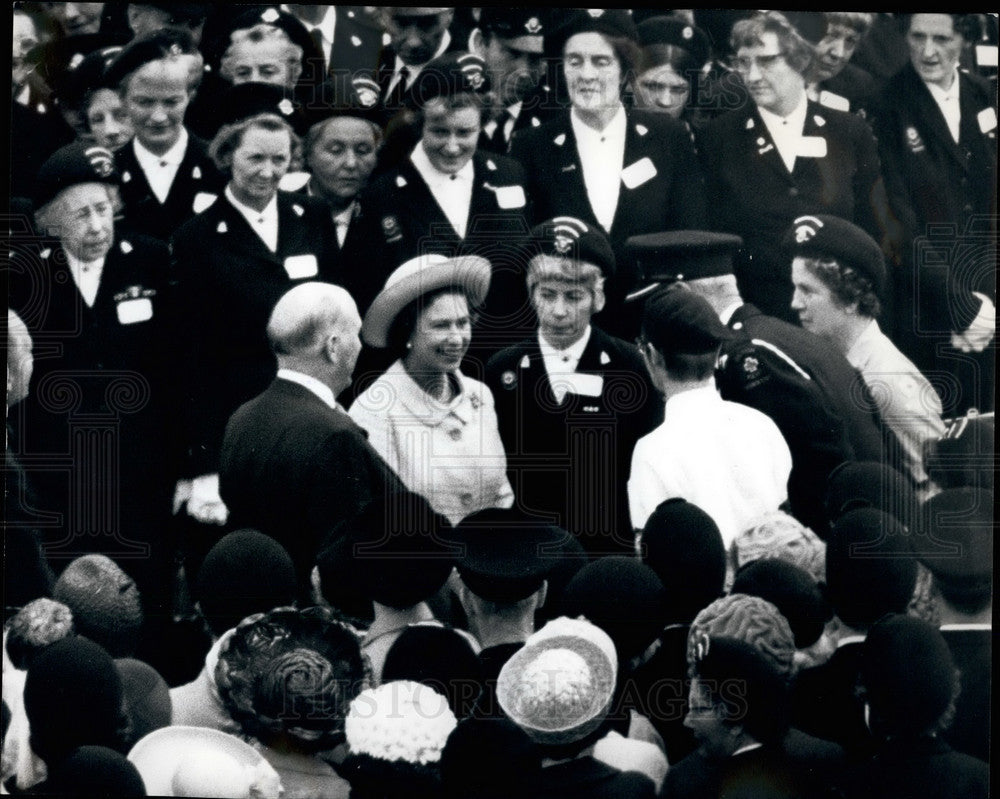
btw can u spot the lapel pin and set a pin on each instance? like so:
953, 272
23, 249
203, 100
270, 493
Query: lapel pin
222, 228
299, 210
126, 247
400, 181
196, 173
560, 140
642, 130
605, 360
525, 362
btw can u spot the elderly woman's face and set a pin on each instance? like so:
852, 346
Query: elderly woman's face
77, 18
25, 37
441, 335
450, 136
834, 50
108, 120
662, 89
260, 62
343, 157
818, 309
86, 227
260, 161
593, 72
772, 83
935, 47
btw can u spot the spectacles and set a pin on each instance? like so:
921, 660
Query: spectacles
744, 64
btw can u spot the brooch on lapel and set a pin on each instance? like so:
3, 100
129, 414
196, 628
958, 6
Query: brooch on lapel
355, 41
820, 122
490, 165
400, 181
508, 380
299, 210
535, 122
475, 402
642, 130
525, 362
222, 228
749, 125
126, 177
560, 140
913, 141
45, 253
391, 229
196, 173
605, 360
125, 247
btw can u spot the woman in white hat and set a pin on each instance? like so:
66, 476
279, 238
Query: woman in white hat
436, 427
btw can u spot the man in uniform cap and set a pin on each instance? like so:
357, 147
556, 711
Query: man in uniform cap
811, 393
556, 390
725, 457
417, 35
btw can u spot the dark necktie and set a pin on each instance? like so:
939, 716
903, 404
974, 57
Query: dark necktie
395, 98
498, 141
317, 38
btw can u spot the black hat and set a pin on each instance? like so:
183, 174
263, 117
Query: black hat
448, 75
291, 25
957, 540
671, 30
683, 545
488, 758
718, 25
85, 76
166, 43
506, 556
57, 60
250, 99
362, 102
676, 320
810, 25
964, 455
832, 237
399, 549
683, 254
569, 237
94, 771
870, 570
791, 590
908, 673
75, 163
616, 22
870, 484
514, 22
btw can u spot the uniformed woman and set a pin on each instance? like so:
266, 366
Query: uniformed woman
233, 262
435, 426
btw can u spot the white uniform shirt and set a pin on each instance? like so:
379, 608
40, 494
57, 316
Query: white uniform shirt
786, 132
452, 192
602, 156
449, 453
947, 101
562, 362
264, 223
160, 170
413, 70
87, 276
728, 459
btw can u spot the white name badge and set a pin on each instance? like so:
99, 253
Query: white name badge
834, 101
132, 311
638, 173
987, 119
986, 55
203, 200
811, 147
511, 197
300, 266
583, 385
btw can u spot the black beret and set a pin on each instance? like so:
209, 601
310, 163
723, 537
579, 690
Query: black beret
810, 25
276, 18
616, 22
957, 540
167, 43
505, 555
870, 484
189, 13
84, 76
75, 163
908, 673
513, 22
439, 657
362, 102
670, 30
683, 254
675, 320
569, 237
250, 99
832, 237
448, 75
791, 590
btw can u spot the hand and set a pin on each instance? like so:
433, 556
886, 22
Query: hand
980, 333
205, 504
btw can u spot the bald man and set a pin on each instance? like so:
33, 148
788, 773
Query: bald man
293, 462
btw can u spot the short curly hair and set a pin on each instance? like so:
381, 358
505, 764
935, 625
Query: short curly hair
846, 283
230, 137
259, 34
797, 51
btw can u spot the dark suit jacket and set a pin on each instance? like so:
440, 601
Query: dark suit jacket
671, 199
144, 213
919, 769
587, 778
762, 773
973, 653
570, 461
228, 283
751, 192
293, 468
851, 86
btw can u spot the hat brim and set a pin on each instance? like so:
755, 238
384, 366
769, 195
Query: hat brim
470, 273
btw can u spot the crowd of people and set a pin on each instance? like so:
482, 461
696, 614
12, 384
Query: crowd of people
492, 402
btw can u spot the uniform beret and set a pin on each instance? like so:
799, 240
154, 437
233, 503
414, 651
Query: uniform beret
870, 484
810, 25
683, 254
791, 590
250, 99
448, 75
288, 23
166, 43
957, 540
85, 76
833, 237
677, 32
616, 22
513, 22
75, 163
675, 320
569, 237
361, 103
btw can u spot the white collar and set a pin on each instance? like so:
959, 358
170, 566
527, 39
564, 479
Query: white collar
253, 216
615, 129
171, 157
415, 68
945, 95
327, 25
571, 354
862, 343
78, 266
796, 120
432, 175
324, 392
747, 748
727, 313
347, 215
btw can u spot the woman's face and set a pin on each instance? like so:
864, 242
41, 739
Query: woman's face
450, 136
108, 120
662, 89
259, 163
593, 72
156, 97
441, 335
818, 309
260, 62
344, 156
772, 83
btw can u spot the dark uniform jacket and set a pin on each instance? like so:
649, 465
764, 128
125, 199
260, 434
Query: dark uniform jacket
667, 190
972, 648
195, 176
536, 109
293, 468
919, 769
570, 461
587, 778
852, 89
751, 192
229, 282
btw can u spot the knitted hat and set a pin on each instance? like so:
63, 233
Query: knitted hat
869, 484
825, 236
104, 601
623, 597
792, 591
683, 545
569, 237
750, 619
779, 535
246, 572
908, 673
35, 626
94, 771
72, 697
870, 569
147, 697
71, 165
487, 759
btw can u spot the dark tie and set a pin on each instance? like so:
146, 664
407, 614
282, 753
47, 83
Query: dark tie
395, 97
317, 38
498, 141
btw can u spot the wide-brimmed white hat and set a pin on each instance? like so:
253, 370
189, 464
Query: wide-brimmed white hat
198, 761
416, 277
558, 687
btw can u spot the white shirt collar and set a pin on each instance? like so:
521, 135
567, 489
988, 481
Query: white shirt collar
727, 313
432, 175
863, 343
942, 95
568, 356
948, 102
321, 390
263, 223
86, 275
416, 68
795, 120
171, 157
614, 130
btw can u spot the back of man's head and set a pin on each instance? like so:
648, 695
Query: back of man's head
304, 316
